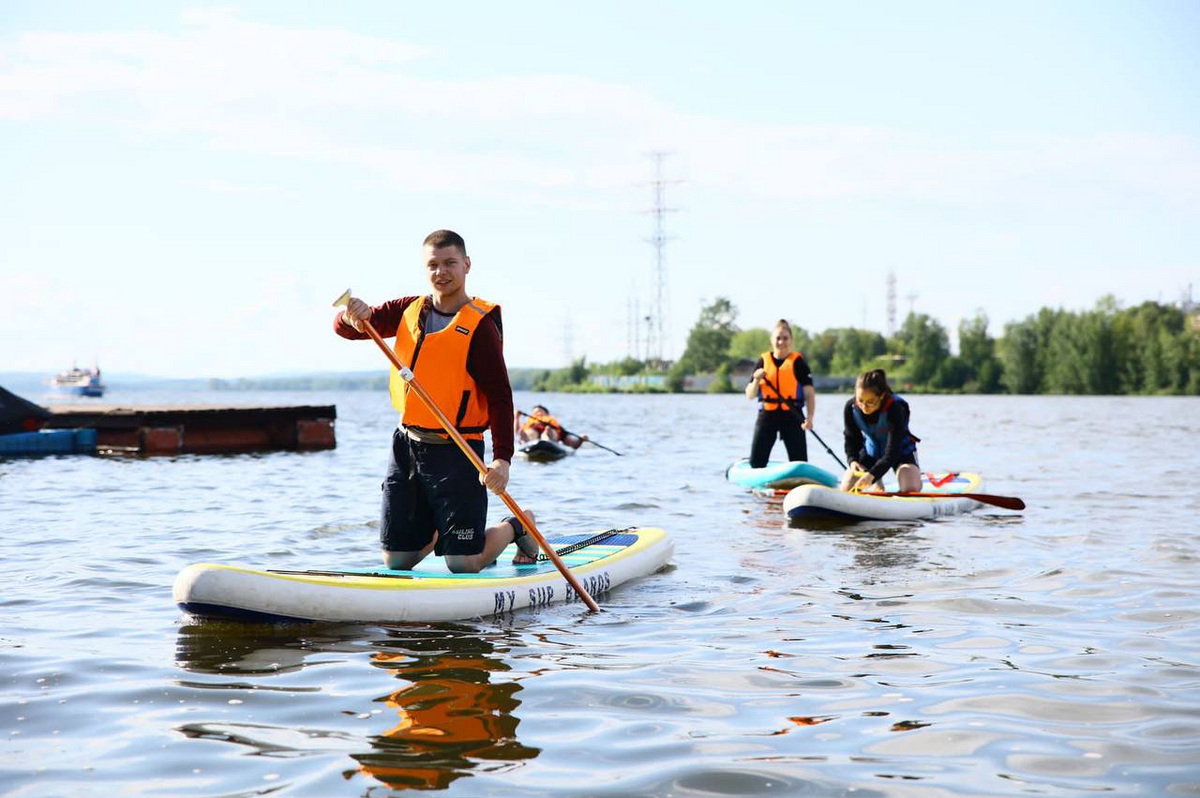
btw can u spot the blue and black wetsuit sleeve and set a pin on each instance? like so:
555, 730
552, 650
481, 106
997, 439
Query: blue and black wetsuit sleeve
855, 445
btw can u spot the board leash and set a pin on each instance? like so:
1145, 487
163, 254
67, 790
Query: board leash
599, 537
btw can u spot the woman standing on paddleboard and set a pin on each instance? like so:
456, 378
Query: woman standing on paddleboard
877, 436
781, 376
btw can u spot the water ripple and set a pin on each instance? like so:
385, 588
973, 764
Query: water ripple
989, 654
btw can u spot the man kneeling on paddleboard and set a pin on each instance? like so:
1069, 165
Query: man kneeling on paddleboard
433, 499
541, 426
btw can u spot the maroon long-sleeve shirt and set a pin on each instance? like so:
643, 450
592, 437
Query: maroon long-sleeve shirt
485, 363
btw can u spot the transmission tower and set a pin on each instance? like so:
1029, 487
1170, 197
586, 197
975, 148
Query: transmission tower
633, 324
657, 327
634, 321
891, 302
912, 300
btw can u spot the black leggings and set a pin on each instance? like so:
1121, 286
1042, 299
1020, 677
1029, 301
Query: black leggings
770, 425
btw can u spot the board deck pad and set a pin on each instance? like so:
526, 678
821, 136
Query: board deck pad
503, 567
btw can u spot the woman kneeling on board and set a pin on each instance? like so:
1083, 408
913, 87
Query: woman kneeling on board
878, 438
780, 377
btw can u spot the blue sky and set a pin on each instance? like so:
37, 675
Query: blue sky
188, 186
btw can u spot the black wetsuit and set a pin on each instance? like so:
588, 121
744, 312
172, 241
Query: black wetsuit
774, 424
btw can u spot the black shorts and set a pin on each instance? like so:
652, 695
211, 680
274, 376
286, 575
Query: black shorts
869, 461
432, 488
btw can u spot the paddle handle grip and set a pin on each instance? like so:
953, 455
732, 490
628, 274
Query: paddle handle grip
526, 521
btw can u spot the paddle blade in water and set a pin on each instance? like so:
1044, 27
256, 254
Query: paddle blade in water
1007, 502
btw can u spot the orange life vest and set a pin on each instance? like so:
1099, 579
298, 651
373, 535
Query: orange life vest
439, 362
782, 377
537, 422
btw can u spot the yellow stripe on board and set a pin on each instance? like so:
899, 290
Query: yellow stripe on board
647, 537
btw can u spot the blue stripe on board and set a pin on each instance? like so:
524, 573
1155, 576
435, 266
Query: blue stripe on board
625, 539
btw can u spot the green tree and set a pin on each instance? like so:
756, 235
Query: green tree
709, 340
677, 375
975, 346
721, 382
990, 378
575, 374
819, 351
802, 342
978, 351
923, 341
749, 344
952, 374
853, 349
629, 366
1019, 356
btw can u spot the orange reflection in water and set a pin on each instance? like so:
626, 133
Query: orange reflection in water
453, 721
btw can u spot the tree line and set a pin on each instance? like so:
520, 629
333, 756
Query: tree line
1151, 348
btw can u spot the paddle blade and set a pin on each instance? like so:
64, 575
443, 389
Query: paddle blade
1007, 502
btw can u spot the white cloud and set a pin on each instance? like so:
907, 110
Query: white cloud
333, 97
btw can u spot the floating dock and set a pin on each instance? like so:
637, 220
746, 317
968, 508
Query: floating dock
200, 429
48, 441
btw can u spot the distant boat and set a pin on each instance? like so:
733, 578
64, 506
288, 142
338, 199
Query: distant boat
81, 382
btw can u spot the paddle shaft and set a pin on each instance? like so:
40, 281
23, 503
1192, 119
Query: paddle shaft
1007, 502
791, 405
566, 431
458, 439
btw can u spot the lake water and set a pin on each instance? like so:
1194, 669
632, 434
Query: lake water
1051, 653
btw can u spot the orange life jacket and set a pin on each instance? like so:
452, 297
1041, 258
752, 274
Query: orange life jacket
439, 362
537, 422
782, 377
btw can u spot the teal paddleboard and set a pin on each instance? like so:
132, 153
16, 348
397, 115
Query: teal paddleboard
780, 476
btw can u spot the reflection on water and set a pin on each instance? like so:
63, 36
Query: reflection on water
873, 545
450, 712
452, 717
250, 649
1053, 652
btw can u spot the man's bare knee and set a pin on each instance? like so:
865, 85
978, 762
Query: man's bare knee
401, 560
463, 565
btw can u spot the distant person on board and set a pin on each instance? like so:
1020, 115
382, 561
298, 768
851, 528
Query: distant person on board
877, 437
781, 377
433, 498
541, 426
